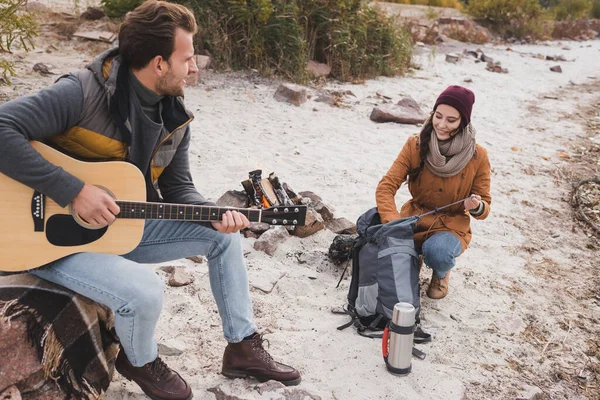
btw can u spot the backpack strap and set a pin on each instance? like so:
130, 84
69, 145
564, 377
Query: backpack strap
355, 320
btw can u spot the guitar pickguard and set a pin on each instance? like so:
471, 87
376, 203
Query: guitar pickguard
62, 230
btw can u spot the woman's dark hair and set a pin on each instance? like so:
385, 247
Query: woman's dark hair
149, 31
424, 139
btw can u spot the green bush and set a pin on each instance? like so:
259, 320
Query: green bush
118, 8
15, 27
572, 9
280, 36
518, 18
595, 11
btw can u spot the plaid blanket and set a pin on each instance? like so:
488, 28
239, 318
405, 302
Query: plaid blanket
73, 335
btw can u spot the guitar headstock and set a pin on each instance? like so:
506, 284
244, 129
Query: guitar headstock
284, 215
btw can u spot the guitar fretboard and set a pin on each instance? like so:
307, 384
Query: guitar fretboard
135, 210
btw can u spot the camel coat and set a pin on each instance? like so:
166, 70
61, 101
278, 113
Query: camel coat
430, 191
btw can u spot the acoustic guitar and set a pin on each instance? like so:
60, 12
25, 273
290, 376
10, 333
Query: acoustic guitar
36, 230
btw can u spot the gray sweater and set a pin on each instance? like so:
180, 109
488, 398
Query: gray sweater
54, 110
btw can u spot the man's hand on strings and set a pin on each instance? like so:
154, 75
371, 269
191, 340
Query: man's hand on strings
95, 206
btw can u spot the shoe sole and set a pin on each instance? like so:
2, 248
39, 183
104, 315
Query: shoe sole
147, 394
231, 373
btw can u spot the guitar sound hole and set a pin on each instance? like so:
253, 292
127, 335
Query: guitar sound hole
62, 230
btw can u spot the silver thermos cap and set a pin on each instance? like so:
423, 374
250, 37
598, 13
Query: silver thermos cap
399, 354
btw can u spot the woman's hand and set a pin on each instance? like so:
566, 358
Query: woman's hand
472, 203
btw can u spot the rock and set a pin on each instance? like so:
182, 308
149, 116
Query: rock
279, 391
233, 198
197, 259
259, 227
19, 358
269, 240
317, 69
291, 93
250, 234
92, 13
452, 58
36, 7
11, 393
220, 395
468, 80
486, 59
269, 386
325, 98
311, 195
20, 366
410, 104
452, 20
471, 53
314, 223
42, 69
398, 114
341, 225
323, 209
165, 350
180, 277
556, 68
495, 67
203, 62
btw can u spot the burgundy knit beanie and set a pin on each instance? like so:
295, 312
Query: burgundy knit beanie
458, 97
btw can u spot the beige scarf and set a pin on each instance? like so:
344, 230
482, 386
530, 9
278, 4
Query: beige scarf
449, 157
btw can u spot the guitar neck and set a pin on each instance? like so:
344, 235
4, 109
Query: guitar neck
182, 212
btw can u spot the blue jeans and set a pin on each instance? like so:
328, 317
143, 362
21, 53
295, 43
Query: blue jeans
440, 251
135, 293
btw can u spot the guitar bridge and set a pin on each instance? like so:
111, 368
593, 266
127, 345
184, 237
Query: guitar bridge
38, 202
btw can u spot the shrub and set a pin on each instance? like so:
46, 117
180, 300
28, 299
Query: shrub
280, 36
595, 10
572, 9
118, 8
518, 18
15, 27
433, 3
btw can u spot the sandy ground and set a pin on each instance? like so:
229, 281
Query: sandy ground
521, 319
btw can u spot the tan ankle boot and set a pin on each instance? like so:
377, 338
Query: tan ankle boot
438, 288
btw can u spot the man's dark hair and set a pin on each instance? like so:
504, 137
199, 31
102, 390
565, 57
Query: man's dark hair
149, 31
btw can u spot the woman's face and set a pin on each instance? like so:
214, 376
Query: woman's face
446, 120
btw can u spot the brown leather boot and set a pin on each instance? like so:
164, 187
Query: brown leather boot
156, 379
249, 358
438, 288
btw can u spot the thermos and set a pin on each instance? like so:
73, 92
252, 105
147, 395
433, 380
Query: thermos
399, 334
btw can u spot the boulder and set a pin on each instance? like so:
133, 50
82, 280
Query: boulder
317, 69
269, 240
400, 114
180, 277
291, 93
314, 223
20, 368
92, 13
233, 198
341, 225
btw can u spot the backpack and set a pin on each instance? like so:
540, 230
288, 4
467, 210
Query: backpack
385, 271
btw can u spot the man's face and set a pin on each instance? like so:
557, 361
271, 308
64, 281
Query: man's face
181, 64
